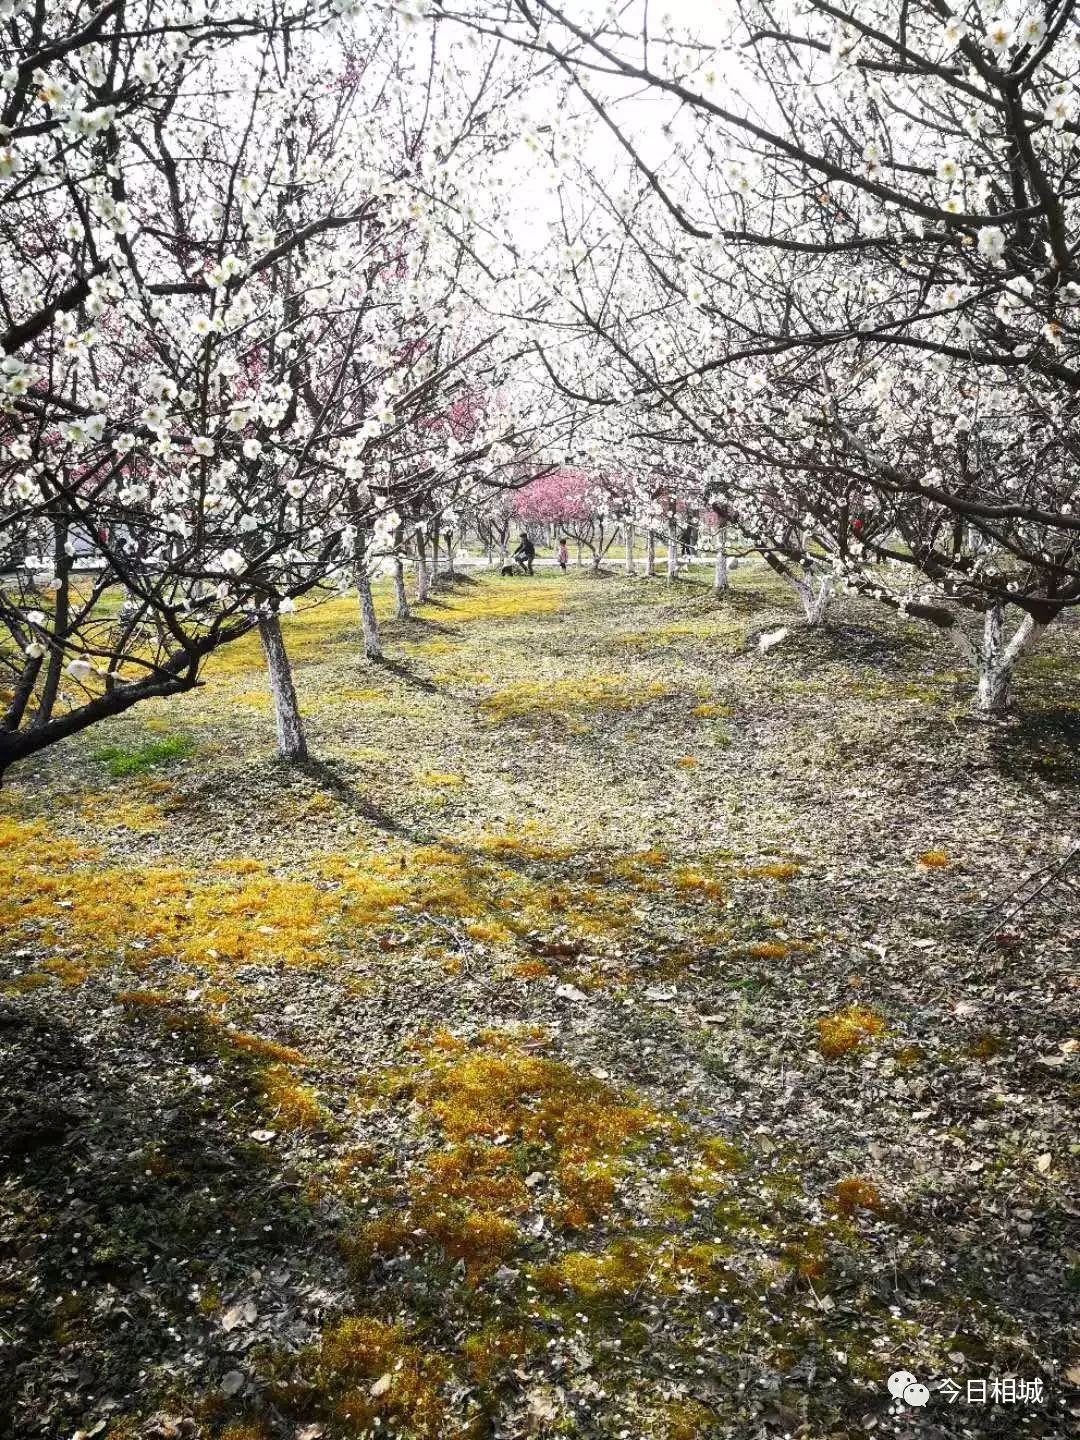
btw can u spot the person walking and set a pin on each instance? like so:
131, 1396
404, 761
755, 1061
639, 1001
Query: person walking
525, 553
562, 554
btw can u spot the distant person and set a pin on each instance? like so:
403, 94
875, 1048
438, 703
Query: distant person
562, 555
525, 554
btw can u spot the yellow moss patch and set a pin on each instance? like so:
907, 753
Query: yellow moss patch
529, 843
854, 1194
438, 646
778, 870
116, 811
496, 1348
620, 1270
487, 930
245, 1430
443, 778
722, 1154
688, 1420
568, 698
68, 972
291, 1105
934, 859
504, 1090
686, 762
847, 1031
372, 1372
264, 1049
315, 632
530, 970
24, 984
490, 1101
696, 882
257, 699
144, 999
52, 890
490, 600
768, 949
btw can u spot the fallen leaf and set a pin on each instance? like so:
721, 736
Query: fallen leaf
570, 992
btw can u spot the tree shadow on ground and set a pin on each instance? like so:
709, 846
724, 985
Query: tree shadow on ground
136, 1206
852, 644
408, 675
330, 777
1040, 746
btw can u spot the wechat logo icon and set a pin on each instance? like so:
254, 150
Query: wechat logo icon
906, 1389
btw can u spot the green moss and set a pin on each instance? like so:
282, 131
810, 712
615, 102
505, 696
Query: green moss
121, 761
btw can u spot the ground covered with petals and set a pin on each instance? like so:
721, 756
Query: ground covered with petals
610, 1034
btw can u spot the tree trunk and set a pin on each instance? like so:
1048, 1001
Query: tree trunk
292, 746
720, 573
996, 659
630, 550
579, 559
673, 549
401, 605
814, 601
369, 625
650, 552
450, 555
435, 556
62, 566
423, 582
368, 622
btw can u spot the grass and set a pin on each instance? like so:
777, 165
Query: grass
121, 761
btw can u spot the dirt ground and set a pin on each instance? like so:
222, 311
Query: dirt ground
611, 1034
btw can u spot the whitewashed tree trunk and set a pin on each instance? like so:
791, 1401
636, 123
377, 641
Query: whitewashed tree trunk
630, 550
401, 599
368, 622
814, 595
362, 580
450, 555
673, 549
650, 552
292, 746
579, 556
423, 580
720, 571
995, 659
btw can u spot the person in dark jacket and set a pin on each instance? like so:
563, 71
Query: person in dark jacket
525, 554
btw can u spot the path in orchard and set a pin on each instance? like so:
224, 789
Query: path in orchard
592, 1043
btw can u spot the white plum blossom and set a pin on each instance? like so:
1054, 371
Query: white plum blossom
231, 561
1032, 30
999, 36
992, 242
953, 32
